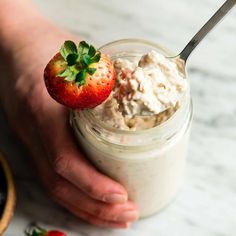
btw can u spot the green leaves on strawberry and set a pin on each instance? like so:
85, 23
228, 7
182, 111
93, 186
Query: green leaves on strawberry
79, 77
78, 61
34, 230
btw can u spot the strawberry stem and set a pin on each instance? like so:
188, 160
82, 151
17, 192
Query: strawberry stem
78, 59
34, 230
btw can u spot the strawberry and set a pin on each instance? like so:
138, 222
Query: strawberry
79, 77
34, 230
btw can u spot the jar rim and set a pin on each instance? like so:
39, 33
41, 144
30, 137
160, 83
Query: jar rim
137, 40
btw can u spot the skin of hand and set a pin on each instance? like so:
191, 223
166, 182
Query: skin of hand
42, 124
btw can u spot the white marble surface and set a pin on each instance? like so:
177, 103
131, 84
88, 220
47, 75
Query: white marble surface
207, 204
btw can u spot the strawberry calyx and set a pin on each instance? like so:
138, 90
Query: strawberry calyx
78, 61
35, 230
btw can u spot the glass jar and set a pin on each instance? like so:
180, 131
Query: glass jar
149, 163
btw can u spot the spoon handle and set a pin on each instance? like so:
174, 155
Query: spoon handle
211, 23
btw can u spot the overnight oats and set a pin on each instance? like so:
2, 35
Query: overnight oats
139, 135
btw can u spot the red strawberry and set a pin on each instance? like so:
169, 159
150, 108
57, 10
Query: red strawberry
55, 233
79, 77
34, 230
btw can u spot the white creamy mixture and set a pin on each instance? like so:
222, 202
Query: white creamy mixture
145, 87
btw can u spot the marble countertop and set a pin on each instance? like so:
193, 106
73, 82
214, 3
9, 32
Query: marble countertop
206, 205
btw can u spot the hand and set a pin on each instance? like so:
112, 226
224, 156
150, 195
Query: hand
42, 124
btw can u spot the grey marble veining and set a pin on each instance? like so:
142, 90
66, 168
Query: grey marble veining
206, 205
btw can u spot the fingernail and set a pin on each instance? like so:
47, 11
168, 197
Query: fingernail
128, 216
115, 198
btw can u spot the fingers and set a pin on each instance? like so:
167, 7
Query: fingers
93, 211
96, 221
74, 200
84, 207
67, 161
72, 166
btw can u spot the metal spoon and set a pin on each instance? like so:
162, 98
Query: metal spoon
211, 23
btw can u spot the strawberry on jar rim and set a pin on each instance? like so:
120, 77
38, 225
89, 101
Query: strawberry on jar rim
79, 77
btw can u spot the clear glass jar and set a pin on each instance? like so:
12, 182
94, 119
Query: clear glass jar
149, 163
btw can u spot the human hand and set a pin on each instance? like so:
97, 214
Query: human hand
42, 124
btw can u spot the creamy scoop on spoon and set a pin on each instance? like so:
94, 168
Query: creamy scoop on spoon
149, 85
